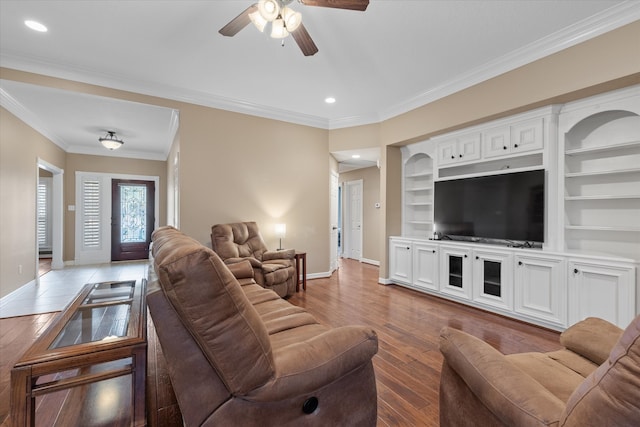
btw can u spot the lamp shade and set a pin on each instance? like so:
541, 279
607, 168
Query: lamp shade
258, 20
281, 230
278, 30
292, 19
269, 9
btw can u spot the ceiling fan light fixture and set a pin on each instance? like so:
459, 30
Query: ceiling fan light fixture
278, 29
269, 9
258, 20
292, 19
110, 141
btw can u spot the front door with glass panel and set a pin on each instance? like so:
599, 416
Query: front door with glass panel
132, 218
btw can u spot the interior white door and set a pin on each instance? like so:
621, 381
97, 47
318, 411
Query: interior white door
353, 236
333, 219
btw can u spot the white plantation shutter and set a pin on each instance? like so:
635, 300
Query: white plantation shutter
44, 207
91, 211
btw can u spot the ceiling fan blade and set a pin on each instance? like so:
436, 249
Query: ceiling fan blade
305, 43
238, 23
338, 4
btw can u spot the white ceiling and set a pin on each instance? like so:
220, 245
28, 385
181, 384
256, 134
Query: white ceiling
395, 56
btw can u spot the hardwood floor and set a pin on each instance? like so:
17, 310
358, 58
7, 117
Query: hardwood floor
408, 323
408, 362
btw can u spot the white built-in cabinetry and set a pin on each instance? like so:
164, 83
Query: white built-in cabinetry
590, 151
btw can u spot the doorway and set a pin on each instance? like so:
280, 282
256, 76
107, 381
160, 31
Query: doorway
352, 225
49, 218
132, 218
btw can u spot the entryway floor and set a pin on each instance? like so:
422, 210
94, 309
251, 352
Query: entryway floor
57, 288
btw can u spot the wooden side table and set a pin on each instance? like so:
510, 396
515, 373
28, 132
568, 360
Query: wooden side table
301, 262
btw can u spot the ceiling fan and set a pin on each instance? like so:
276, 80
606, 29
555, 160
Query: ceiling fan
284, 20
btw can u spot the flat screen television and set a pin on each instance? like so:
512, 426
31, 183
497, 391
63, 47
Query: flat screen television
507, 207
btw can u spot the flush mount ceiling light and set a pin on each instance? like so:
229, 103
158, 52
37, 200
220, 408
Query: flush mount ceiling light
330, 100
284, 20
110, 141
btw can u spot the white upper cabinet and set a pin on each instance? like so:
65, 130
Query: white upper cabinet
464, 148
517, 138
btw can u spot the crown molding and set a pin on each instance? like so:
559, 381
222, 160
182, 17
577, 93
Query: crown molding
608, 20
29, 117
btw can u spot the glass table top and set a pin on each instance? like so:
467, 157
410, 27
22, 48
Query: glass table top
104, 314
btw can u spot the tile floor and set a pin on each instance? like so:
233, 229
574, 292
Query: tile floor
57, 288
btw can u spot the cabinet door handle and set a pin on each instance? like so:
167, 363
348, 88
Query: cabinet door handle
434, 251
519, 262
453, 157
515, 145
477, 257
504, 147
576, 271
408, 247
460, 155
465, 256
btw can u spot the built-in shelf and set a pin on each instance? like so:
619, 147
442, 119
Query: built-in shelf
420, 189
420, 222
603, 197
419, 175
602, 148
419, 204
602, 228
603, 172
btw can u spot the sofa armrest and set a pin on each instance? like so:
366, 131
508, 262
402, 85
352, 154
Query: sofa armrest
242, 269
508, 392
592, 338
254, 262
283, 254
308, 365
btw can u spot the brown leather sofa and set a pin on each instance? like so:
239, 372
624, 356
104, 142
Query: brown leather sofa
241, 241
239, 355
593, 381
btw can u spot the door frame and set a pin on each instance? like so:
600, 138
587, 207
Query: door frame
57, 215
82, 258
348, 215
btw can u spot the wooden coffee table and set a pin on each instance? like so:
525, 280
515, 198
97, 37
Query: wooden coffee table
90, 363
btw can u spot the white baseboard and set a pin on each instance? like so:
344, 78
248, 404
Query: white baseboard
384, 281
321, 275
370, 261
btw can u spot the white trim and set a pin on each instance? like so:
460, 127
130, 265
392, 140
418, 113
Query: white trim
29, 117
384, 281
370, 261
616, 16
321, 275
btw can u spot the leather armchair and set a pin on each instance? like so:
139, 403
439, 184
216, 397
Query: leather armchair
242, 241
593, 381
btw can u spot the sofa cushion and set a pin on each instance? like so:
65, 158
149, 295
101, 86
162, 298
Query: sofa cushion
555, 377
573, 361
216, 312
610, 396
592, 338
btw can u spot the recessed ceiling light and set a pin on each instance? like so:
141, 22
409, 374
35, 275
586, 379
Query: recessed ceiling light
355, 156
35, 26
330, 100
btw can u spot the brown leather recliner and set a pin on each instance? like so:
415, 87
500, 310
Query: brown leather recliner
593, 381
241, 241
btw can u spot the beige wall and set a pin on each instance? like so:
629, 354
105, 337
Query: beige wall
105, 164
237, 167
240, 168
20, 148
371, 216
